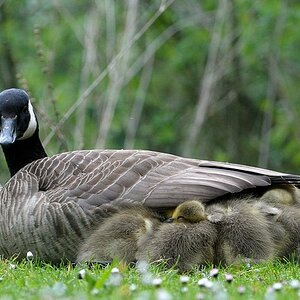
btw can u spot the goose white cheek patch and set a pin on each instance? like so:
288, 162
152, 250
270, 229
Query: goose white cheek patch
32, 124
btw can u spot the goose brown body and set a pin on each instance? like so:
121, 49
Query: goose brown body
51, 204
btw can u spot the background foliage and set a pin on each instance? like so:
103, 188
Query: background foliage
209, 79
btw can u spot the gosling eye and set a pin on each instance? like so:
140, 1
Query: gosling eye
180, 218
169, 220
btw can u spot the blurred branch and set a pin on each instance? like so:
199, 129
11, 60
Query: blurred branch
234, 143
42, 56
211, 73
49, 96
200, 18
223, 103
69, 19
290, 109
137, 109
7, 62
117, 75
48, 123
268, 114
104, 73
90, 68
271, 95
234, 33
110, 29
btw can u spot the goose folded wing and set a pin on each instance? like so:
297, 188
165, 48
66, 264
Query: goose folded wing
94, 178
211, 180
275, 177
166, 181
204, 184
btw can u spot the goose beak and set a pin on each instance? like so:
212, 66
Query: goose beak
8, 132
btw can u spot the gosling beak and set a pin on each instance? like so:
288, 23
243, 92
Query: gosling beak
169, 220
8, 133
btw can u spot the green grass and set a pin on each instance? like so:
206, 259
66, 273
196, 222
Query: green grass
33, 280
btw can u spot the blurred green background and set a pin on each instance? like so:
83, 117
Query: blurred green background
209, 79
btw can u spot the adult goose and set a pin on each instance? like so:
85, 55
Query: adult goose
51, 204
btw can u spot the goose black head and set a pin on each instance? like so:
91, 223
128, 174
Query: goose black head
19, 132
18, 121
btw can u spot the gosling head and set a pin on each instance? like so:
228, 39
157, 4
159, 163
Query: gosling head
189, 212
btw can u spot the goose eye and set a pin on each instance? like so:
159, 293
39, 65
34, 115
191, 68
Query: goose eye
25, 109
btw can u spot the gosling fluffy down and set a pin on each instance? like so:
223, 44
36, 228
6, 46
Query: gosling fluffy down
181, 245
192, 211
243, 232
286, 194
285, 229
118, 236
187, 242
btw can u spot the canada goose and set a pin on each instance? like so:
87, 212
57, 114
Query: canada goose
51, 204
179, 244
119, 235
243, 231
192, 211
19, 135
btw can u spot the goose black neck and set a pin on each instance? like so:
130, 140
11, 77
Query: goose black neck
23, 152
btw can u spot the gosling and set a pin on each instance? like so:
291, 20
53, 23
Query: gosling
192, 211
186, 243
118, 236
281, 207
243, 231
285, 230
287, 194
